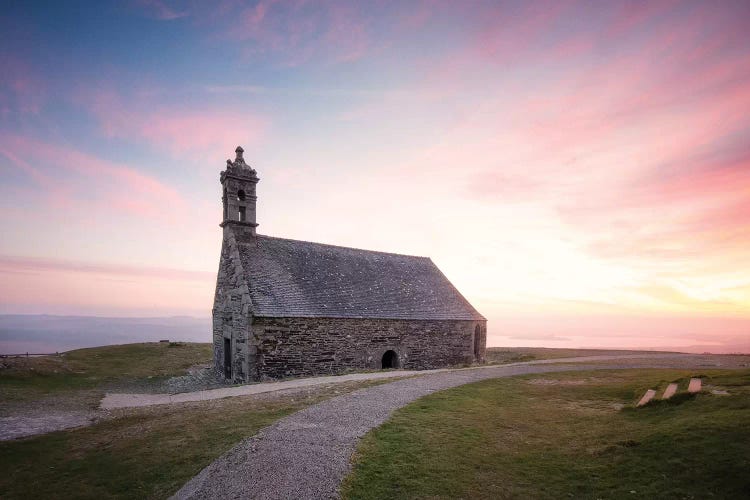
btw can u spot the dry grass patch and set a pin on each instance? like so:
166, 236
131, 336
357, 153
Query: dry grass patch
79, 376
546, 381
116, 361
501, 355
145, 452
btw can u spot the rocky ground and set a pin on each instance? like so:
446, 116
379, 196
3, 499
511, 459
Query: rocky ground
198, 378
72, 409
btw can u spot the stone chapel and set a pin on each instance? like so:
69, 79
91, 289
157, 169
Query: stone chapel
288, 308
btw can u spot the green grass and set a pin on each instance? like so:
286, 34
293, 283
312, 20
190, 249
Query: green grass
28, 378
563, 435
138, 453
518, 354
147, 453
82, 369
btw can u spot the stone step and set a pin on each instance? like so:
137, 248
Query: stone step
669, 391
695, 385
647, 397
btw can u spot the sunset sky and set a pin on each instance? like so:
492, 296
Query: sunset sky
580, 170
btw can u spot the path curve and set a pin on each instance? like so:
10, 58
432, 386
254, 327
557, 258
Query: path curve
124, 400
307, 454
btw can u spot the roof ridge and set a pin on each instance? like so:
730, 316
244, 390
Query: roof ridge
263, 236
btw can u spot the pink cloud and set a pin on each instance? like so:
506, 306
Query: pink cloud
347, 30
635, 153
21, 89
252, 18
160, 9
40, 177
608, 150
685, 333
298, 32
686, 225
701, 207
209, 133
70, 176
15, 264
45, 285
206, 132
505, 187
420, 14
509, 34
604, 105
630, 16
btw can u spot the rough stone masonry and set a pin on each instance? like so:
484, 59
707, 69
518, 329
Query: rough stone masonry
288, 308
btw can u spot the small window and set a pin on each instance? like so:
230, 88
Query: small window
242, 214
241, 195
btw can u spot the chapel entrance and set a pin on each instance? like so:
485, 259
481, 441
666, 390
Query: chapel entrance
390, 360
477, 343
227, 358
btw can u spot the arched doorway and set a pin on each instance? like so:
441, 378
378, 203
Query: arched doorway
477, 343
390, 360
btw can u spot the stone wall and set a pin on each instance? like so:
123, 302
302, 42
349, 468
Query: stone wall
231, 311
297, 347
263, 348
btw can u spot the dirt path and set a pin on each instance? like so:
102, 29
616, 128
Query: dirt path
33, 421
121, 400
15, 427
307, 454
118, 400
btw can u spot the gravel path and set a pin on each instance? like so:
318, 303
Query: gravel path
58, 414
306, 455
118, 400
126, 400
14, 427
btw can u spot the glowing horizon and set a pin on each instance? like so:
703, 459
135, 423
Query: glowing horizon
579, 171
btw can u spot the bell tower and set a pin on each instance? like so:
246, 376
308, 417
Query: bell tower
238, 187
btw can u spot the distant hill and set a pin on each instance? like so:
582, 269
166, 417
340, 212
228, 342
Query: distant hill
43, 333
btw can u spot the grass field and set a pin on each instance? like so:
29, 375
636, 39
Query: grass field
24, 379
144, 453
97, 366
133, 453
81, 372
150, 452
564, 435
519, 354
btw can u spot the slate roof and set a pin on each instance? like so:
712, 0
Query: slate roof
290, 278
